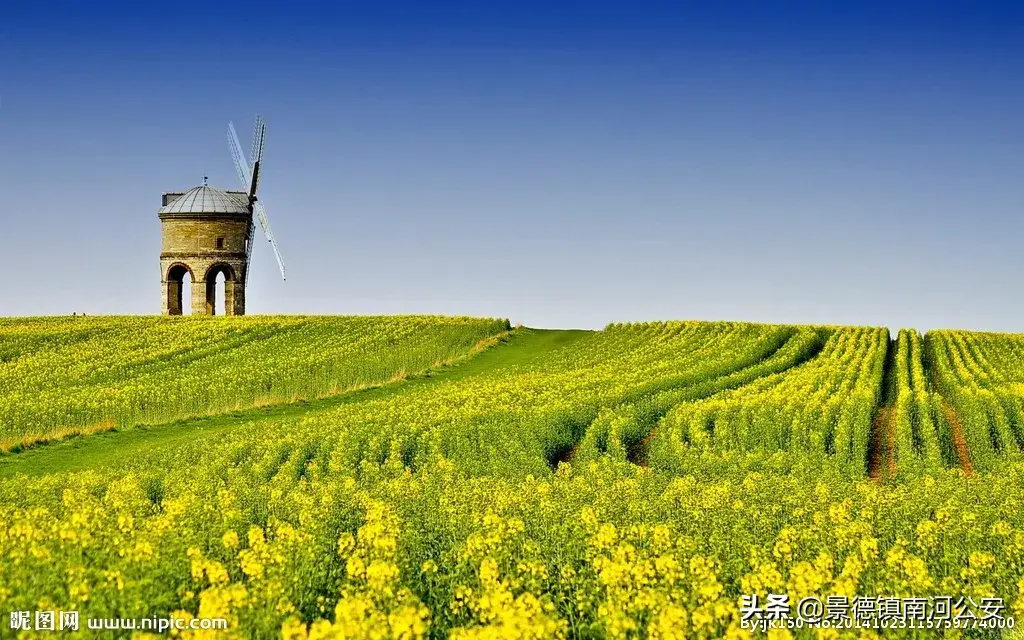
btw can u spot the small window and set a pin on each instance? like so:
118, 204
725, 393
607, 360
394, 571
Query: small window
220, 243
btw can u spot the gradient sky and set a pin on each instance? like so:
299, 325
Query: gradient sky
560, 165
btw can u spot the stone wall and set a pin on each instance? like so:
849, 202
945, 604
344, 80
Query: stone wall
191, 240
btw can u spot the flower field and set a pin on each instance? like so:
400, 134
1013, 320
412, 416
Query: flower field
634, 482
980, 376
64, 375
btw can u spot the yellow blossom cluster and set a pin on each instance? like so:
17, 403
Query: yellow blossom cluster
62, 375
456, 506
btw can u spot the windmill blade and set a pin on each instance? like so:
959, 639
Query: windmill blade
259, 134
249, 241
259, 141
249, 177
241, 165
261, 215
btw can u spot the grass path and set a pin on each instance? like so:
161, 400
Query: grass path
83, 452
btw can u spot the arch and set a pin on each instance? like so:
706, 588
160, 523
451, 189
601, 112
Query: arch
220, 267
174, 282
230, 279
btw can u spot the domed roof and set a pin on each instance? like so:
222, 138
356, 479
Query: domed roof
206, 199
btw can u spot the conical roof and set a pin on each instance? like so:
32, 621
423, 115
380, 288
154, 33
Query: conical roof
207, 199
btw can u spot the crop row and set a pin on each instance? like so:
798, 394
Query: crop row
979, 377
64, 374
500, 504
818, 413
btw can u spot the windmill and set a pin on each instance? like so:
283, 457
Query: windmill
250, 178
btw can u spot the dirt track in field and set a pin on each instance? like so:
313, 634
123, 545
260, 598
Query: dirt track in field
882, 450
963, 453
638, 453
881, 462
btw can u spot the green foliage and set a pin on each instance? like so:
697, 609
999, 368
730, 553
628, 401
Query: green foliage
632, 482
820, 409
981, 378
63, 375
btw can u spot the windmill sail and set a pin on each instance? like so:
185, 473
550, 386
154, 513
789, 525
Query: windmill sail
249, 178
259, 140
261, 215
245, 177
241, 165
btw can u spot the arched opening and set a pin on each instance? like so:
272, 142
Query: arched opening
220, 290
179, 290
218, 295
186, 295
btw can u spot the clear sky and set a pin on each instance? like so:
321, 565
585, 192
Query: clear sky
560, 165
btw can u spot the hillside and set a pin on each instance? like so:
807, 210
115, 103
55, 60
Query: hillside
432, 476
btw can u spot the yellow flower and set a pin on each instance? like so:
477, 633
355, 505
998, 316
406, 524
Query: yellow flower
346, 543
805, 579
669, 623
981, 560
355, 567
868, 548
1001, 528
230, 539
488, 571
381, 575
293, 629
251, 564
927, 534
216, 573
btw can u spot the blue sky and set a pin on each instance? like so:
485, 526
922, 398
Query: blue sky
561, 165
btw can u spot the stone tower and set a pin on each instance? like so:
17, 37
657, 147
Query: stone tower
205, 233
